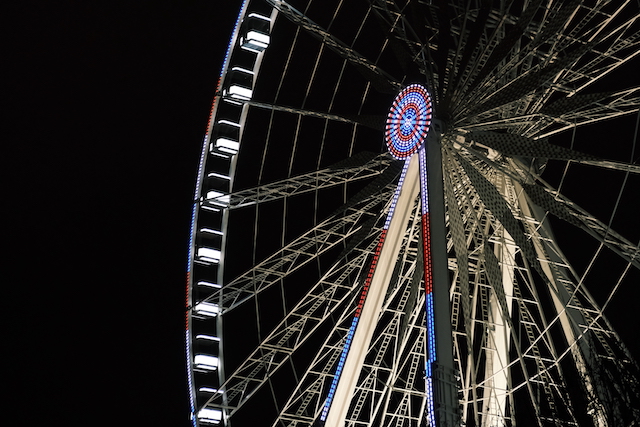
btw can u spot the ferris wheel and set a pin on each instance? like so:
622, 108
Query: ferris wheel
372, 239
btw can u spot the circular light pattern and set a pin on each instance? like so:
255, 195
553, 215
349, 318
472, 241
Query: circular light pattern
408, 121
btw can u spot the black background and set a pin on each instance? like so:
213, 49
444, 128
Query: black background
108, 103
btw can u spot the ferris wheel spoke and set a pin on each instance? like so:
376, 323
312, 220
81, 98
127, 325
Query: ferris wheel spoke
496, 320
529, 82
590, 338
349, 222
401, 37
378, 77
570, 104
320, 304
299, 111
516, 145
545, 125
607, 164
505, 44
372, 121
543, 372
301, 251
492, 376
564, 209
614, 43
498, 363
470, 44
384, 355
360, 166
536, 344
306, 401
614, 105
560, 206
457, 205
560, 16
499, 207
616, 49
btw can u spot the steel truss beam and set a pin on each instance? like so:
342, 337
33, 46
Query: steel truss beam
325, 178
487, 257
390, 389
378, 76
330, 293
589, 338
549, 198
488, 50
541, 125
326, 235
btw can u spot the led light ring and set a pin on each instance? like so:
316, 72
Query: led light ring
408, 121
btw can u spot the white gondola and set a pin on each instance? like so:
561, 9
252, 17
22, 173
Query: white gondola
210, 416
241, 84
206, 362
255, 37
228, 138
206, 309
208, 255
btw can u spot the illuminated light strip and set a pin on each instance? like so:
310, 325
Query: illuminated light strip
428, 285
192, 403
363, 296
190, 255
408, 121
407, 126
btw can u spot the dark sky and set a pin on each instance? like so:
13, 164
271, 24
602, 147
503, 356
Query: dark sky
109, 104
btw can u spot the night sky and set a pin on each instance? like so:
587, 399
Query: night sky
109, 104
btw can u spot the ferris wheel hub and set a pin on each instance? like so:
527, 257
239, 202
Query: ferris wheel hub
408, 121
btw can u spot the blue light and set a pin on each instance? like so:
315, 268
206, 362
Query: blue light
408, 121
428, 284
336, 377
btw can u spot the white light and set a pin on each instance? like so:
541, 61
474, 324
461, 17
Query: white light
239, 92
227, 145
204, 361
208, 390
259, 39
227, 122
209, 254
212, 416
210, 208
242, 70
209, 285
231, 101
255, 15
218, 175
219, 198
207, 309
207, 337
255, 41
211, 231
